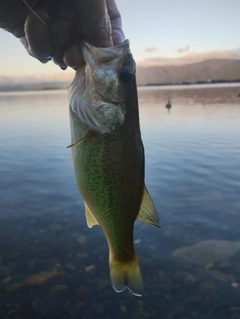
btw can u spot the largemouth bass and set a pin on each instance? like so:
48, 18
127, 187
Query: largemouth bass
108, 155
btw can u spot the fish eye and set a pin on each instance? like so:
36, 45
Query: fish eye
125, 76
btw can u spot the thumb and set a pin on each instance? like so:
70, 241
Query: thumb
94, 22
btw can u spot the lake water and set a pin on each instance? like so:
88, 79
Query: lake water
53, 266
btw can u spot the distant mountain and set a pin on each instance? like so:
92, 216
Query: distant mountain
8, 84
36, 82
205, 71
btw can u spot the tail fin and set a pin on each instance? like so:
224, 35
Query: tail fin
126, 275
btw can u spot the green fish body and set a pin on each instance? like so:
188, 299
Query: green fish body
108, 155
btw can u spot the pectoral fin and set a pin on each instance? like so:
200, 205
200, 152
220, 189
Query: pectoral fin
91, 220
84, 138
147, 212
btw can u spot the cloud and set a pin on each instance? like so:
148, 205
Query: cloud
150, 49
191, 58
183, 50
224, 54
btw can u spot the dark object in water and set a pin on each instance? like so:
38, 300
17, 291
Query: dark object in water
239, 95
168, 105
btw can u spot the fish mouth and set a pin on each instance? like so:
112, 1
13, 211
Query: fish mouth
123, 44
103, 55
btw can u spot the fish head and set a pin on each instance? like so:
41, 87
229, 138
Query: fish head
108, 70
99, 96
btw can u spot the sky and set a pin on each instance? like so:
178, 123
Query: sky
160, 32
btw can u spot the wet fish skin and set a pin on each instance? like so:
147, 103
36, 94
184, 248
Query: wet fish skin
108, 156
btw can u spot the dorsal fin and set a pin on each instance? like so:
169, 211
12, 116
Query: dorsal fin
91, 220
147, 212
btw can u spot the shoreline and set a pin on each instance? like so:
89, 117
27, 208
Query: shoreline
165, 85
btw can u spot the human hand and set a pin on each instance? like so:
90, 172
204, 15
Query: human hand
53, 30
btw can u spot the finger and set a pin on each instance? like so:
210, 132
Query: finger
38, 36
116, 22
94, 22
18, 30
61, 9
14, 12
63, 33
24, 42
73, 56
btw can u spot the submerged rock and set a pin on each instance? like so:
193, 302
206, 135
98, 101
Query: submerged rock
207, 286
209, 251
55, 227
82, 240
137, 241
90, 268
190, 279
219, 275
40, 278
83, 291
7, 279
59, 288
14, 286
123, 308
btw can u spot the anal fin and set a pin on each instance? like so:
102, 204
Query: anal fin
147, 212
91, 220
